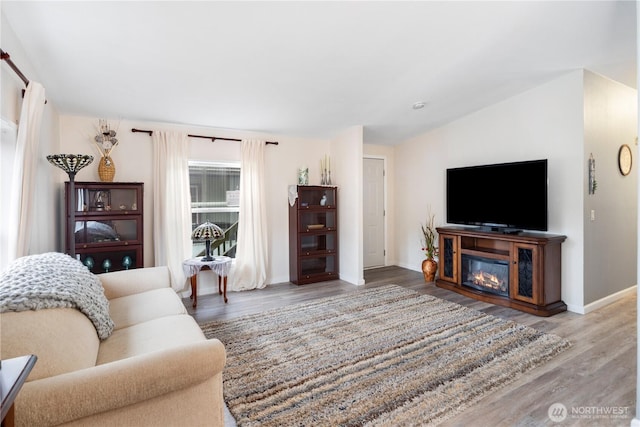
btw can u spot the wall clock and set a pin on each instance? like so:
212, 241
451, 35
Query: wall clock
624, 159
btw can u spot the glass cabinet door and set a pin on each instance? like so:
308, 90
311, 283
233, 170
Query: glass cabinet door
317, 196
317, 220
317, 265
106, 231
523, 277
449, 257
317, 243
107, 200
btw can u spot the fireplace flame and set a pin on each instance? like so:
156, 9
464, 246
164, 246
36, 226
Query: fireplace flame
488, 280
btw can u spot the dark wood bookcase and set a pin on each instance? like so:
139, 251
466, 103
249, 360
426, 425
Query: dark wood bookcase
108, 224
313, 234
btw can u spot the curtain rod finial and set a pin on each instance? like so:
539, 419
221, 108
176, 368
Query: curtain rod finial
134, 130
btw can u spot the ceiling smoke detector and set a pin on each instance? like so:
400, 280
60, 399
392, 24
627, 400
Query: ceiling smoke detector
418, 105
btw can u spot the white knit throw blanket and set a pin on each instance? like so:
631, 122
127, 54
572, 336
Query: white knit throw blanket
55, 280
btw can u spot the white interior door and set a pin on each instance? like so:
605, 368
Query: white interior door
373, 207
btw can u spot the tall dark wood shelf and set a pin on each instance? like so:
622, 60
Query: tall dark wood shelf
534, 261
109, 223
313, 235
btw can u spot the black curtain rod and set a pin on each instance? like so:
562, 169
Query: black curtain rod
212, 138
7, 58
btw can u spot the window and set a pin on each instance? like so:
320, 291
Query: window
215, 189
9, 133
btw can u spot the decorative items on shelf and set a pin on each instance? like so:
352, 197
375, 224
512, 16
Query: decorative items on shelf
293, 194
303, 176
106, 265
89, 262
102, 230
429, 246
593, 184
106, 141
325, 170
102, 202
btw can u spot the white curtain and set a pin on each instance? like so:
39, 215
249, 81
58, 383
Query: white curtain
251, 253
23, 181
171, 203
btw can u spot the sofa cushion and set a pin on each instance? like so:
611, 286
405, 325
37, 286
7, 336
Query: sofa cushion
153, 335
137, 308
126, 282
64, 340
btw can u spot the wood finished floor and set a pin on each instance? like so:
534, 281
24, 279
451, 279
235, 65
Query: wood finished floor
597, 374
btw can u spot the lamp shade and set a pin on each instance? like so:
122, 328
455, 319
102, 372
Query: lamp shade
70, 163
207, 231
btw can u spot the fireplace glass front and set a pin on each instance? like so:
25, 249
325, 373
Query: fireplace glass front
486, 274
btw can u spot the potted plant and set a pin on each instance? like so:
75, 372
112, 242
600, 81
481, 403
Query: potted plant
430, 248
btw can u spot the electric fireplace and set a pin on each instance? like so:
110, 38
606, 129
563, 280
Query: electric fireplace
519, 271
486, 274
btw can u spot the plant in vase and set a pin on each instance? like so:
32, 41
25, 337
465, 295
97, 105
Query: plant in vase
430, 248
106, 141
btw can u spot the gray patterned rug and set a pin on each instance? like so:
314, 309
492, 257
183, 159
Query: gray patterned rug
383, 356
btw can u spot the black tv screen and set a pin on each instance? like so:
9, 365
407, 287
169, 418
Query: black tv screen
500, 196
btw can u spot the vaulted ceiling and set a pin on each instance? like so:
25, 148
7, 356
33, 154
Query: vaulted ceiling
310, 69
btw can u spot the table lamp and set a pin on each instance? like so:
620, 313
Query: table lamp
207, 232
71, 164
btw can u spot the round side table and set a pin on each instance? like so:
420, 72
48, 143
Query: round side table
220, 265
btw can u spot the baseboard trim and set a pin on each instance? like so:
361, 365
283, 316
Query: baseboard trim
609, 299
574, 308
352, 280
409, 266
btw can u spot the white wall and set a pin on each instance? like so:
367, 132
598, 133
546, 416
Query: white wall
133, 158
610, 246
545, 122
346, 173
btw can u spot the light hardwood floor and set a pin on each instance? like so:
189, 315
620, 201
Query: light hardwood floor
595, 377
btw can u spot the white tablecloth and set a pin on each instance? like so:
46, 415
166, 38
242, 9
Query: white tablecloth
220, 265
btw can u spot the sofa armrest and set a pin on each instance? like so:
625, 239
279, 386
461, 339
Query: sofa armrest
108, 387
128, 282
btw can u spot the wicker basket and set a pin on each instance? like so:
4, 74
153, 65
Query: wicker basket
106, 169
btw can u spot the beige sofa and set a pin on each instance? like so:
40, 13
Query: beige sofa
155, 369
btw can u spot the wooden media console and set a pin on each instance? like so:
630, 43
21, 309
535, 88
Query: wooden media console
521, 271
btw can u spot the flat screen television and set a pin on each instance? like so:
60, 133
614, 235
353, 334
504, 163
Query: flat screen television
507, 197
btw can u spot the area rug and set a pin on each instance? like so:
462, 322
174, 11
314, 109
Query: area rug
385, 356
